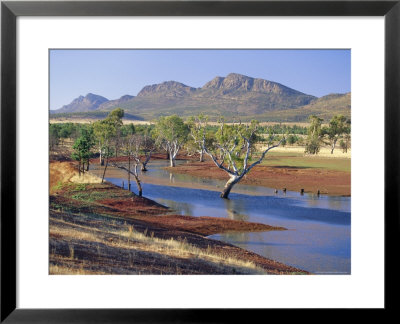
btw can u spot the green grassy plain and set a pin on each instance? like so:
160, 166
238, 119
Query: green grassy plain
298, 160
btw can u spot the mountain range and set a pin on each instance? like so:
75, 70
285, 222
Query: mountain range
233, 95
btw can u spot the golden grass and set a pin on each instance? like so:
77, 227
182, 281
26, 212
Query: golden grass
61, 120
130, 239
56, 269
62, 173
183, 249
324, 152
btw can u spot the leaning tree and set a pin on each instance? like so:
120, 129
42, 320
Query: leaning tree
233, 150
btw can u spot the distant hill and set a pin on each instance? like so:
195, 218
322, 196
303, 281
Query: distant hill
111, 104
169, 89
230, 96
325, 107
82, 104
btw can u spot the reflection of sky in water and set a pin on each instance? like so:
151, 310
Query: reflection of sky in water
318, 239
312, 200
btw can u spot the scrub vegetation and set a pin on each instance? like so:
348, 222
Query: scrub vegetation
99, 228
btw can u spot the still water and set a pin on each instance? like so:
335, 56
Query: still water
318, 235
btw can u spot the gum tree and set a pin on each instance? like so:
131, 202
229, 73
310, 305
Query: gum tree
131, 148
171, 133
197, 132
146, 147
314, 135
115, 119
233, 149
338, 126
138, 149
106, 132
344, 143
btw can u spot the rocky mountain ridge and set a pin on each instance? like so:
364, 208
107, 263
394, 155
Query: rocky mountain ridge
233, 95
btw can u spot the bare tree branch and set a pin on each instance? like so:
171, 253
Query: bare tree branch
263, 155
219, 165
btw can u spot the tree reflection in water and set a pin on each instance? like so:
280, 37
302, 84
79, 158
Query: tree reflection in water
177, 207
235, 209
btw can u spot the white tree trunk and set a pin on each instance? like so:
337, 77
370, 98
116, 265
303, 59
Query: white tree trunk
101, 157
202, 156
171, 161
172, 156
333, 146
229, 185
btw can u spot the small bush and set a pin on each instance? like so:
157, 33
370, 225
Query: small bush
312, 147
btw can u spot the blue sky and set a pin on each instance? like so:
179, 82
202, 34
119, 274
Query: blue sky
114, 73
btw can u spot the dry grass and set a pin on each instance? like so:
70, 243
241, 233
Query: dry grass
183, 249
128, 239
324, 152
102, 229
64, 173
61, 120
55, 269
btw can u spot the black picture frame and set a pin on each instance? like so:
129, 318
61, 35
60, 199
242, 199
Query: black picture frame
10, 10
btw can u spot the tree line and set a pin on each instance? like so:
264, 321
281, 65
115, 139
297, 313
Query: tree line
231, 146
339, 129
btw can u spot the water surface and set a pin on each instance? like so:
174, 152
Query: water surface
318, 235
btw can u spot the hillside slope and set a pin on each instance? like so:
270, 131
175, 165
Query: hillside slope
83, 104
235, 95
325, 107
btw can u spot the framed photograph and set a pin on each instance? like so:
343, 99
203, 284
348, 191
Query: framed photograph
177, 156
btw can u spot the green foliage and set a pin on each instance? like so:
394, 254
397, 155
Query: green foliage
313, 146
54, 130
59, 132
58, 186
314, 135
83, 144
92, 115
131, 129
104, 131
54, 135
345, 142
108, 130
325, 107
284, 129
292, 139
236, 143
116, 115
272, 137
199, 132
233, 147
80, 187
339, 126
172, 128
171, 133
145, 129
343, 146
